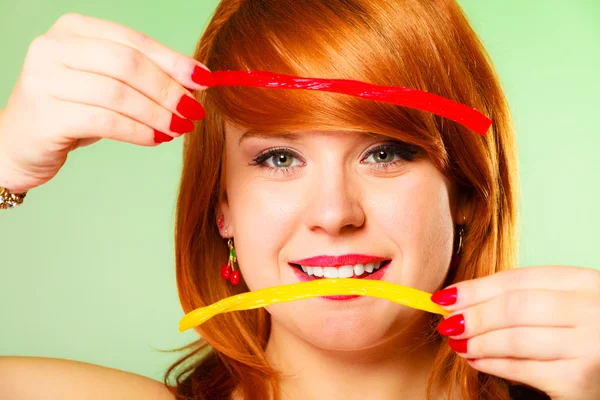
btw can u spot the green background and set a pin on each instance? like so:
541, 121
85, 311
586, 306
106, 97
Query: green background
86, 265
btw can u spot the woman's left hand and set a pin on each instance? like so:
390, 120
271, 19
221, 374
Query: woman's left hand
539, 326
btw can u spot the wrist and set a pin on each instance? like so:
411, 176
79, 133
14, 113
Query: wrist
11, 185
10, 200
5, 181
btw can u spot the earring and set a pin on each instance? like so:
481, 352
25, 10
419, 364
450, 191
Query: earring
227, 270
461, 232
456, 257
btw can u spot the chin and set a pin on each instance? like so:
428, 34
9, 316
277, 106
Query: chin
358, 339
344, 328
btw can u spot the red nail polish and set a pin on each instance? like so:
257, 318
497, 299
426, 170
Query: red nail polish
180, 125
453, 326
445, 297
460, 346
160, 137
190, 108
203, 77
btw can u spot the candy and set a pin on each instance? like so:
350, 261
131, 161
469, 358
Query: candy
319, 287
419, 99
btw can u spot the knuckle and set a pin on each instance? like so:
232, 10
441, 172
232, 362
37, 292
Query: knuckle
513, 305
165, 93
132, 61
513, 368
591, 278
522, 305
477, 346
40, 45
514, 342
104, 120
155, 117
474, 322
139, 40
68, 19
115, 93
142, 134
178, 64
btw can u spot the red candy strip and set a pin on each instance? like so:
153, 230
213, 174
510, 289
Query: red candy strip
413, 98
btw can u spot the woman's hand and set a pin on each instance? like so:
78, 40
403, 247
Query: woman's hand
87, 79
539, 326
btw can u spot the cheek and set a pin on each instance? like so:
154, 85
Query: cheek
266, 215
415, 213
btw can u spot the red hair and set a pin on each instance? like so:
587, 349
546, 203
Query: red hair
426, 45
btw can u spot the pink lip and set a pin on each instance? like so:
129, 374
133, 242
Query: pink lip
302, 277
336, 261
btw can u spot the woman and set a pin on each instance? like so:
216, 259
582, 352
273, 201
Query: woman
301, 179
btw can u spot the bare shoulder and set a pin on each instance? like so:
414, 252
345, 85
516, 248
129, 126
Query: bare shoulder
38, 378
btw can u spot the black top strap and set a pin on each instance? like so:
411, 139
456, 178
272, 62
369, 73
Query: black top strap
519, 392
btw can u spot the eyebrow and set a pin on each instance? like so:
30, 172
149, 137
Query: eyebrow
291, 136
257, 133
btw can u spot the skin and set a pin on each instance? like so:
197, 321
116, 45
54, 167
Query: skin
538, 325
335, 198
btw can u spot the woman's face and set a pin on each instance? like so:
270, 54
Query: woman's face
336, 193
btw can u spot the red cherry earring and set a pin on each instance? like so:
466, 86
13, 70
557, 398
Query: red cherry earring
227, 270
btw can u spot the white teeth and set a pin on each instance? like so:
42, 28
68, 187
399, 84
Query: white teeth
359, 269
346, 271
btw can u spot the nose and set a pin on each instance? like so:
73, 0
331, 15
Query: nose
335, 202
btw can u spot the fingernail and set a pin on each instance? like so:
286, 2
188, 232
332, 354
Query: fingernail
445, 297
190, 108
453, 326
203, 77
460, 346
180, 125
160, 137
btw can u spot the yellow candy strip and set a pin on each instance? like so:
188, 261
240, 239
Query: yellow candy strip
319, 287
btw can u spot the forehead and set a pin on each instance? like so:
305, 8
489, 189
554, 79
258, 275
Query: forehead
242, 134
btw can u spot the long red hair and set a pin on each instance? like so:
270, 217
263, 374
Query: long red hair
427, 45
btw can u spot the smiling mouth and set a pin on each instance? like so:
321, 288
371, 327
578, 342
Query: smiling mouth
358, 271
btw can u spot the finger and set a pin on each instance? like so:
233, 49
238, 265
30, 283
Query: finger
545, 375
537, 343
519, 308
111, 94
130, 66
83, 121
468, 293
185, 70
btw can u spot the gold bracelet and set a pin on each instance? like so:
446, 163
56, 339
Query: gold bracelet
10, 200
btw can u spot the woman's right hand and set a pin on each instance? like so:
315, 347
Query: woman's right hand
88, 79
